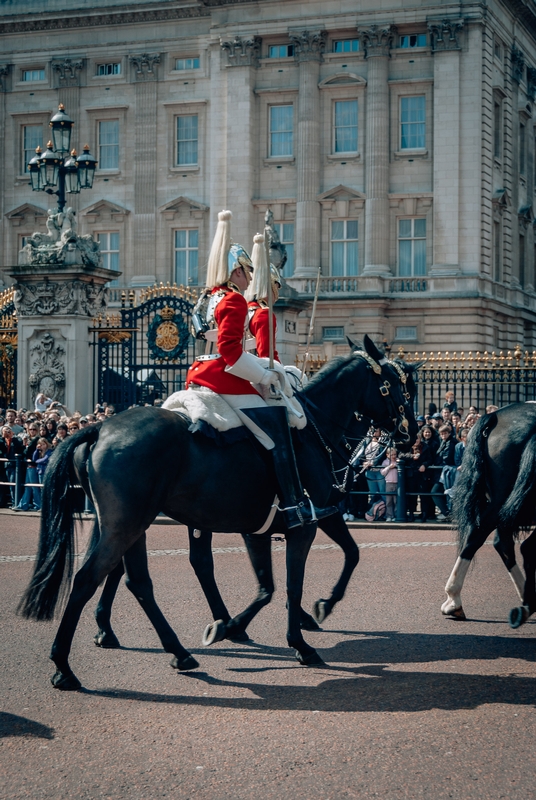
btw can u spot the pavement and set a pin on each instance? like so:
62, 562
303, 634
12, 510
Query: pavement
410, 704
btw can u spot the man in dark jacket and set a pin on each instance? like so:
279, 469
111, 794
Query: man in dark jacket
444, 459
11, 446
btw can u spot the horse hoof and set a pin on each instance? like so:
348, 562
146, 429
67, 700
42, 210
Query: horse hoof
107, 640
455, 613
518, 616
184, 664
237, 636
307, 623
321, 610
215, 632
311, 659
67, 682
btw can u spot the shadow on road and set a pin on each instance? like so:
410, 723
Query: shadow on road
12, 725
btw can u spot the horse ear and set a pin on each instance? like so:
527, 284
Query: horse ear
352, 345
416, 365
371, 349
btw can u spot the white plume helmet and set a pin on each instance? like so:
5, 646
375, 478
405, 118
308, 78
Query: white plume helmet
263, 276
217, 268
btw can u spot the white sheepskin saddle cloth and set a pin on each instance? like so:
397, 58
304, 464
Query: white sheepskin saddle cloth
201, 403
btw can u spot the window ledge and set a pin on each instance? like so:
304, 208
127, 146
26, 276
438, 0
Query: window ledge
186, 168
276, 161
344, 157
107, 173
403, 155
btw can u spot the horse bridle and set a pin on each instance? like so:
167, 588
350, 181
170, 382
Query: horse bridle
399, 418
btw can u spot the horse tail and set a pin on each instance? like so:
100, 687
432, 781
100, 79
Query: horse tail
53, 570
518, 510
469, 497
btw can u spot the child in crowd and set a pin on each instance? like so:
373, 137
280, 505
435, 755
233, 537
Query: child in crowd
389, 472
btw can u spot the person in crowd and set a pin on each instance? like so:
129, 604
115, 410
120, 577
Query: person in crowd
31, 497
426, 462
420, 421
412, 476
389, 472
432, 409
450, 402
73, 426
372, 466
10, 447
460, 448
445, 415
84, 422
62, 431
437, 421
474, 410
109, 411
51, 426
456, 422
42, 402
491, 408
445, 460
42, 455
470, 420
11, 422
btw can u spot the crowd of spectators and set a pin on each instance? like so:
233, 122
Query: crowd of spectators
430, 469
29, 437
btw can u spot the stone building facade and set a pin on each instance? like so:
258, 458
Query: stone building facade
395, 146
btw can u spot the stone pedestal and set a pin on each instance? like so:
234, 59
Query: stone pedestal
55, 306
287, 310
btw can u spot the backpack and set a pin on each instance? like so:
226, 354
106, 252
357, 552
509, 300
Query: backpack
376, 512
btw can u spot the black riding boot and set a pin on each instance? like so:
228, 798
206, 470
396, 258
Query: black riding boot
297, 509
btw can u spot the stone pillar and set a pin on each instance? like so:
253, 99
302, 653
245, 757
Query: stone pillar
55, 306
145, 76
240, 58
446, 49
217, 142
4, 76
377, 41
308, 49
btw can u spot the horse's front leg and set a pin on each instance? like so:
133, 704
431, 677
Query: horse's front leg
336, 528
503, 542
105, 636
299, 541
520, 615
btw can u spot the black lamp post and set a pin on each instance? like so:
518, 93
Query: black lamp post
56, 168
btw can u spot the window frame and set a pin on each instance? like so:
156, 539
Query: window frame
270, 155
345, 241
24, 70
99, 64
99, 145
91, 133
412, 239
187, 250
334, 151
188, 164
401, 123
400, 89
401, 36
327, 337
186, 109
108, 252
187, 58
290, 51
23, 160
351, 39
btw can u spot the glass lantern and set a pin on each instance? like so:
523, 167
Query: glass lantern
34, 168
70, 167
61, 125
87, 165
49, 166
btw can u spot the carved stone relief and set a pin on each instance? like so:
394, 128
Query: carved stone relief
308, 45
61, 244
67, 72
47, 368
377, 39
47, 297
444, 34
241, 52
145, 65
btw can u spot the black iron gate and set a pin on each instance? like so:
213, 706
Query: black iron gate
142, 351
8, 350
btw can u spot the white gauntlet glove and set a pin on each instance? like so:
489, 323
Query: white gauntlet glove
269, 385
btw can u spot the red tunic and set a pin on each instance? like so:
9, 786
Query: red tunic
260, 329
230, 316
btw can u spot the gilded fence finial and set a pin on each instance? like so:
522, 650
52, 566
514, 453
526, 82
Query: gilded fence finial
518, 355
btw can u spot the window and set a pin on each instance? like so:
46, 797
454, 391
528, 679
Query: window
109, 247
33, 74
335, 333
344, 247
281, 51
109, 144
497, 49
412, 122
281, 130
497, 251
187, 63
187, 132
522, 261
411, 247
109, 69
413, 40
406, 333
497, 126
522, 148
32, 137
285, 231
346, 45
186, 257
346, 126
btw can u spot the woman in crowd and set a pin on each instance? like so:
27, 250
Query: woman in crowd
425, 463
32, 494
390, 475
444, 459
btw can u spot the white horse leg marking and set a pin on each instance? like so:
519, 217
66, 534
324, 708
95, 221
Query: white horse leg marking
454, 586
518, 579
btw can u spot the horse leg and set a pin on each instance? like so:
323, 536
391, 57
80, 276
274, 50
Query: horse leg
504, 545
452, 607
520, 615
299, 543
141, 586
105, 636
259, 549
337, 530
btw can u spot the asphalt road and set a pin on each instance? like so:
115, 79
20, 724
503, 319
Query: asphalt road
410, 705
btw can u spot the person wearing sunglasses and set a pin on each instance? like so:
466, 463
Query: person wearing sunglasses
31, 499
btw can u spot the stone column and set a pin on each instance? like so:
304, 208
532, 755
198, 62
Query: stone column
240, 58
308, 49
4, 76
377, 41
217, 139
446, 49
145, 76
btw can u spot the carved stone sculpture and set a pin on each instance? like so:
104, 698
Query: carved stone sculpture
308, 45
61, 245
48, 368
242, 52
278, 251
46, 297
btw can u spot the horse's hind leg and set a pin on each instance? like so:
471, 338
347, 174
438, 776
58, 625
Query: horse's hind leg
521, 614
452, 607
259, 547
337, 530
105, 636
503, 543
141, 586
299, 543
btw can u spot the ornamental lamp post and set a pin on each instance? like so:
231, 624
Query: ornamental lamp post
55, 168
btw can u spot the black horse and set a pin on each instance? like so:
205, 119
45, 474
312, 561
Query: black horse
145, 461
496, 491
259, 549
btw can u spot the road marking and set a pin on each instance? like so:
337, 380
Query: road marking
275, 549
